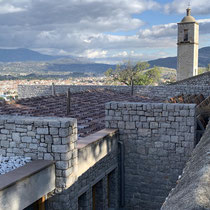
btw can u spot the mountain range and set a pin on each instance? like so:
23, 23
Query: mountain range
171, 62
77, 64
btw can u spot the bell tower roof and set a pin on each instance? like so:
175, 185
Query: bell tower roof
188, 18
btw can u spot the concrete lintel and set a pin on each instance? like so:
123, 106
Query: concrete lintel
23, 172
27, 184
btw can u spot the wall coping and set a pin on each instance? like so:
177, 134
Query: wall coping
29, 119
125, 104
95, 137
12, 177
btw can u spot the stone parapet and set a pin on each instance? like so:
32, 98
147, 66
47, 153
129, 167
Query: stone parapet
165, 91
35, 137
158, 140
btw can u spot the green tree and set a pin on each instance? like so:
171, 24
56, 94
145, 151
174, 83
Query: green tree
208, 68
134, 74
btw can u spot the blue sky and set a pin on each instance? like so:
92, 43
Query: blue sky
101, 30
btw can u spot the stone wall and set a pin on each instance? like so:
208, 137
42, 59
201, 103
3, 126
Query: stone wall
158, 140
172, 90
100, 159
55, 139
193, 189
201, 80
41, 138
27, 91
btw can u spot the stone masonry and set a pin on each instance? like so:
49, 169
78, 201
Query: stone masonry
167, 91
48, 138
42, 138
193, 187
199, 80
158, 140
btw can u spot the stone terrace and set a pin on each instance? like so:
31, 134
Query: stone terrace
87, 107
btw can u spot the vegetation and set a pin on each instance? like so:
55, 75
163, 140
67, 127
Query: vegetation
202, 70
134, 74
208, 68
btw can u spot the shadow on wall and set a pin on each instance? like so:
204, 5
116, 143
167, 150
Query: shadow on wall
94, 151
96, 162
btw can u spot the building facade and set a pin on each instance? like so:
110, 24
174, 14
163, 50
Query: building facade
187, 52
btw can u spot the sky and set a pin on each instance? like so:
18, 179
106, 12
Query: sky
106, 31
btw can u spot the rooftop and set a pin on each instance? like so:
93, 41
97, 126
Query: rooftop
87, 107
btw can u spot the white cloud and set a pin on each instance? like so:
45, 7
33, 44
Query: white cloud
8, 8
170, 30
160, 31
179, 6
86, 28
94, 54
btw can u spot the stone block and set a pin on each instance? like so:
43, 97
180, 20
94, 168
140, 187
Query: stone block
4, 131
31, 133
33, 146
67, 156
144, 132
62, 165
184, 113
12, 144
56, 140
121, 125
130, 125
48, 156
60, 148
53, 131
65, 140
48, 139
66, 124
26, 139
63, 132
180, 150
3, 137
23, 130
4, 143
67, 172
10, 126
153, 125
111, 113
158, 144
42, 149
55, 124
42, 131
3, 152
174, 139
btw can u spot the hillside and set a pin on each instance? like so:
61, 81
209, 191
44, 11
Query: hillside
22, 55
171, 62
29, 61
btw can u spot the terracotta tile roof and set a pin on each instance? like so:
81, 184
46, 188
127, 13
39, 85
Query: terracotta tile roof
88, 107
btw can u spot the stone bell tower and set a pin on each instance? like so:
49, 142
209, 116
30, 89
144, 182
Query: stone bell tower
187, 52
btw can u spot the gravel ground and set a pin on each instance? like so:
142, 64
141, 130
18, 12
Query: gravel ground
8, 164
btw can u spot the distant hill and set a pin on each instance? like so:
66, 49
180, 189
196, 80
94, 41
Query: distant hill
171, 62
23, 55
88, 67
76, 64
